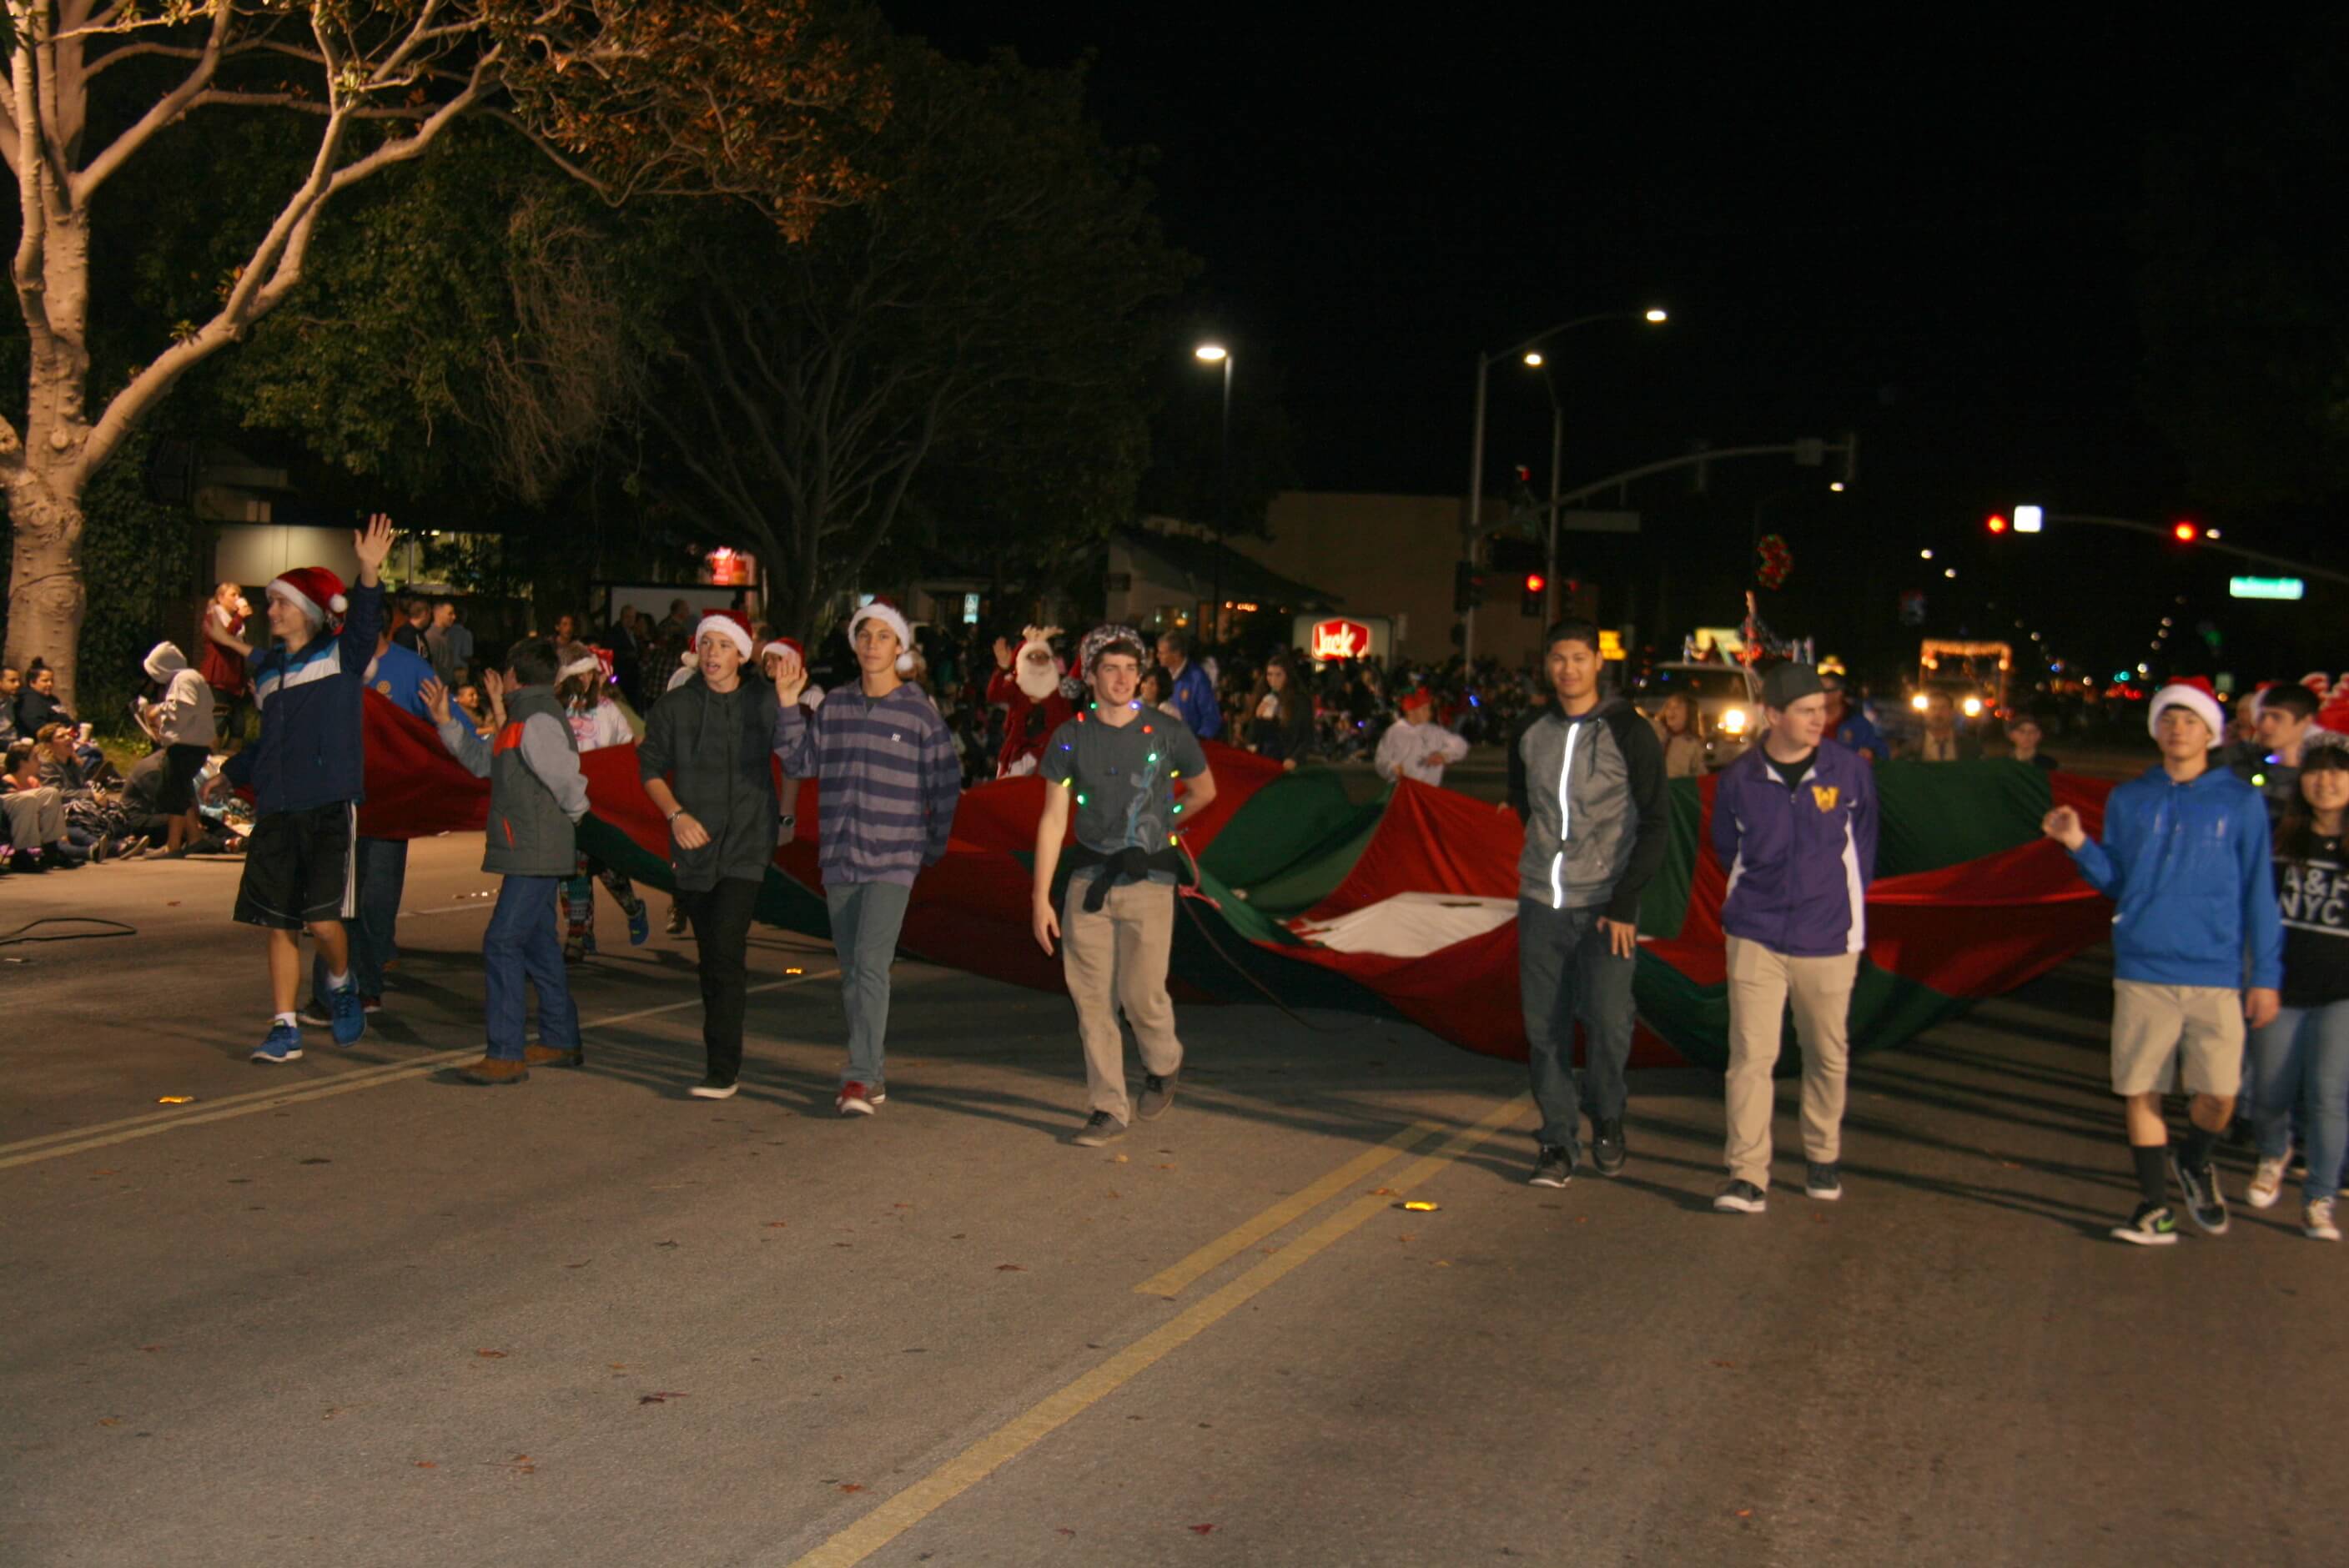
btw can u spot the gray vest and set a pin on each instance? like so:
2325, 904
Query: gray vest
528, 834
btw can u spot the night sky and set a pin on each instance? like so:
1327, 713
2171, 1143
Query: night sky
1920, 225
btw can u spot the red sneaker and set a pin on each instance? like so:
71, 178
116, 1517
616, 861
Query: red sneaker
854, 1100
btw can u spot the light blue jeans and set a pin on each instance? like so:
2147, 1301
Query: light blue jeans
865, 918
2303, 1057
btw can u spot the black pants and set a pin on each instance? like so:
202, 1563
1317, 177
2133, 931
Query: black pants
721, 929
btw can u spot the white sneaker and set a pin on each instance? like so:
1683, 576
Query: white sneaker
2317, 1225
2267, 1182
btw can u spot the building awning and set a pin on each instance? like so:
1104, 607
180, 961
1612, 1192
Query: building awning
1177, 559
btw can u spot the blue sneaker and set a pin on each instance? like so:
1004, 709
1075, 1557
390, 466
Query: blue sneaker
350, 1016
283, 1045
640, 923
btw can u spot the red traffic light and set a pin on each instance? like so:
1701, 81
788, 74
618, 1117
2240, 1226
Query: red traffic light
1997, 522
1535, 582
2185, 532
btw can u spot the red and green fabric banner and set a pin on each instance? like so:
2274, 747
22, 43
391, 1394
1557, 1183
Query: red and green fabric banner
1970, 901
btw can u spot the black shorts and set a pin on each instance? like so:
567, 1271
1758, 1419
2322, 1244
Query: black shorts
297, 868
180, 765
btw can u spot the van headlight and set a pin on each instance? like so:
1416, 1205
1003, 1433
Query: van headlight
1918, 702
1733, 721
1973, 707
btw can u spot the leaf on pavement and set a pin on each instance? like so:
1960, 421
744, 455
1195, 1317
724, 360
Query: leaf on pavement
1010, 1268
1384, 1192
852, 1486
778, 1224
1201, 1529
426, 1464
317, 1160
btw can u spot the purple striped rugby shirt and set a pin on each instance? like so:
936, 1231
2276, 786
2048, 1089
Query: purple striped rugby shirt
889, 779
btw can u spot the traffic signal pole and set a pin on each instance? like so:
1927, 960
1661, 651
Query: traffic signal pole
2202, 541
1474, 513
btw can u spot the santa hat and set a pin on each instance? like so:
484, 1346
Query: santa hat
1419, 696
782, 645
2193, 693
314, 590
881, 609
596, 662
731, 625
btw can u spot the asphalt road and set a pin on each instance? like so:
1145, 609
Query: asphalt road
350, 1311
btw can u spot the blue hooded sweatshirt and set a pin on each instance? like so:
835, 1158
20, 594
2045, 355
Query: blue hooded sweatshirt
2187, 866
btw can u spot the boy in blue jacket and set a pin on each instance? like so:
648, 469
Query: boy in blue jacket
1794, 823
537, 796
307, 775
2185, 859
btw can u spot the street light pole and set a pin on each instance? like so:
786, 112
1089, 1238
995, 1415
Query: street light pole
1216, 354
1472, 518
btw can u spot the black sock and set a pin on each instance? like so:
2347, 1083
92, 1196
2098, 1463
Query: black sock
2152, 1171
2198, 1145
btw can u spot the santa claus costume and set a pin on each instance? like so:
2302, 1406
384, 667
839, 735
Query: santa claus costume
1038, 697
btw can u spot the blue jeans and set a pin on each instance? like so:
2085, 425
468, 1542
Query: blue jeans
379, 867
1566, 970
865, 919
521, 945
2303, 1058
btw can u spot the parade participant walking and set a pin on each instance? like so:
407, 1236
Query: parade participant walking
1942, 742
1587, 778
307, 774
1116, 766
583, 685
2185, 858
888, 778
1847, 726
704, 763
1794, 824
1195, 689
536, 798
1418, 747
1680, 730
2287, 715
2023, 735
2303, 1052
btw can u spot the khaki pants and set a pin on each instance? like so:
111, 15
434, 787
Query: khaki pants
1117, 958
1760, 984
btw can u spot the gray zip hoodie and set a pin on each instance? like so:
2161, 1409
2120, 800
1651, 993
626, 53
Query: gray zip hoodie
1591, 789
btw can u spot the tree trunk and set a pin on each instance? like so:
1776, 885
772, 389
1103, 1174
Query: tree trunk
45, 597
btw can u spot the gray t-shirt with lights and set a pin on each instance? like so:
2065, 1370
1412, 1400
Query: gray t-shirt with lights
1123, 778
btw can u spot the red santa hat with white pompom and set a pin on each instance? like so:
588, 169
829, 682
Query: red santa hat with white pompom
314, 590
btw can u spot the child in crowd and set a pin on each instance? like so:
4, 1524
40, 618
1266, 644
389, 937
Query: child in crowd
36, 815
306, 773
536, 798
596, 721
1418, 747
182, 722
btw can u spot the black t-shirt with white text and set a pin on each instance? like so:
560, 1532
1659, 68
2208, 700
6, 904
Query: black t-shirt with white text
2314, 892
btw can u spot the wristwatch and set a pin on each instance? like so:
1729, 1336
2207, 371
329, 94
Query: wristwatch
789, 818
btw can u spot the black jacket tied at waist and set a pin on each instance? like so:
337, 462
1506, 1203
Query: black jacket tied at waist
1128, 865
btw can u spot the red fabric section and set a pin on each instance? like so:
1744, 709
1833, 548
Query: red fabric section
414, 788
1431, 840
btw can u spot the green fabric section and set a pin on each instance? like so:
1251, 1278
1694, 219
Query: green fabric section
1664, 905
1216, 949
1886, 1010
1290, 822
1315, 874
781, 902
1935, 814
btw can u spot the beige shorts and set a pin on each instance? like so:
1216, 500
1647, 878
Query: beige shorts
2165, 1032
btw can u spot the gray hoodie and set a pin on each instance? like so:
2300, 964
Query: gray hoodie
1591, 791
184, 716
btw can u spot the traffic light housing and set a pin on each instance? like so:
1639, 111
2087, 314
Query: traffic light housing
1467, 586
1997, 523
1531, 601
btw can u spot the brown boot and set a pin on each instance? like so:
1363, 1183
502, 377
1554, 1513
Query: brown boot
549, 1056
494, 1070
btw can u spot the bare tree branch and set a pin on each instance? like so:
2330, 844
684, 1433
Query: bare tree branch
164, 110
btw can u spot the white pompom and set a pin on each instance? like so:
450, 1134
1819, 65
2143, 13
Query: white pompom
338, 603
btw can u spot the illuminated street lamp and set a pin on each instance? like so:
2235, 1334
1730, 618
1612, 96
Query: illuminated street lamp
1213, 353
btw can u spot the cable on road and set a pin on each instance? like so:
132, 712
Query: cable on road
112, 928
1183, 903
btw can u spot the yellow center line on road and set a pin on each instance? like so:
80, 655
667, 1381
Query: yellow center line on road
81, 1140
1025, 1430
1170, 1282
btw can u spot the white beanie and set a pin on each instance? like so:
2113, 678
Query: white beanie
887, 615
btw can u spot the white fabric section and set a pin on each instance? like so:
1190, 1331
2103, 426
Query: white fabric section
351, 860
1410, 924
1857, 941
325, 666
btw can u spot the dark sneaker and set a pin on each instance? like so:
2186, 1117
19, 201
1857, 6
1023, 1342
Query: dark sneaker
1100, 1127
676, 920
370, 1006
640, 924
574, 950
856, 1100
1822, 1180
284, 1044
495, 1072
349, 1016
1553, 1166
317, 1014
2150, 1226
1607, 1147
711, 1088
554, 1057
1742, 1198
2204, 1204
1157, 1094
